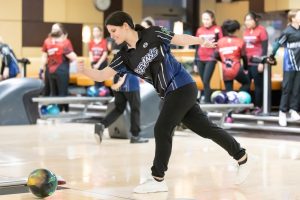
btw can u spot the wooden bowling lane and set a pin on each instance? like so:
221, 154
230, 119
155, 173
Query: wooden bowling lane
198, 169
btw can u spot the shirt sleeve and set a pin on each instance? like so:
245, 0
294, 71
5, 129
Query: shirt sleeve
220, 32
279, 42
44, 48
68, 48
163, 34
104, 44
90, 46
198, 32
243, 55
118, 65
263, 34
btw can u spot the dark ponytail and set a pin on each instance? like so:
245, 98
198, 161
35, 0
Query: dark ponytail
230, 26
139, 27
118, 18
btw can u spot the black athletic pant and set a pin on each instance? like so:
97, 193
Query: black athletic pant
206, 69
59, 82
181, 106
121, 99
290, 91
47, 89
258, 83
242, 78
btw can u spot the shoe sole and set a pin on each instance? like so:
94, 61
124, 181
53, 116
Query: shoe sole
149, 192
293, 120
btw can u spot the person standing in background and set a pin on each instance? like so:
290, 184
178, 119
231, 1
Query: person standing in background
126, 89
56, 57
9, 65
231, 50
290, 39
256, 40
98, 51
204, 59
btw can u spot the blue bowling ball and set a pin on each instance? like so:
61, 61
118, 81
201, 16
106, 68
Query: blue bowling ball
214, 95
92, 91
221, 98
44, 110
53, 109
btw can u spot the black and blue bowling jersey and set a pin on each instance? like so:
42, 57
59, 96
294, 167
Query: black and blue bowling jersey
152, 61
290, 40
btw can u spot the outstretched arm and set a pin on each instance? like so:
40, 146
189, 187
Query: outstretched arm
184, 39
96, 75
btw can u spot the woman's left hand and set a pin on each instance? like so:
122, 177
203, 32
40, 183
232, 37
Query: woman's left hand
115, 87
5, 73
260, 68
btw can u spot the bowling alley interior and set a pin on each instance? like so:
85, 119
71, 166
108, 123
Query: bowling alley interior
150, 99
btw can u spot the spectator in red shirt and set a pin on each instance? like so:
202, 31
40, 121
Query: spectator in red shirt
56, 57
256, 40
98, 51
204, 58
230, 51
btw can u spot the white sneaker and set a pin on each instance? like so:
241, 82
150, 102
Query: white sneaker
282, 119
294, 115
245, 169
151, 186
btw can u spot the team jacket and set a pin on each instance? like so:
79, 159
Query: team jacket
290, 39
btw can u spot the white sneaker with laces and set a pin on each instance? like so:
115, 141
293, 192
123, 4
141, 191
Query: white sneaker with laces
245, 169
151, 186
294, 115
282, 119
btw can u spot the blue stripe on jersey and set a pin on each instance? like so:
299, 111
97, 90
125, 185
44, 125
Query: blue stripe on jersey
175, 74
289, 61
130, 84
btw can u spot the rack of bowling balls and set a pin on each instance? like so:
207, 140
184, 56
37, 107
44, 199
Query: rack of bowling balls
231, 97
94, 91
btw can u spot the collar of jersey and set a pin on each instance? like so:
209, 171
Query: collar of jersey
139, 39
